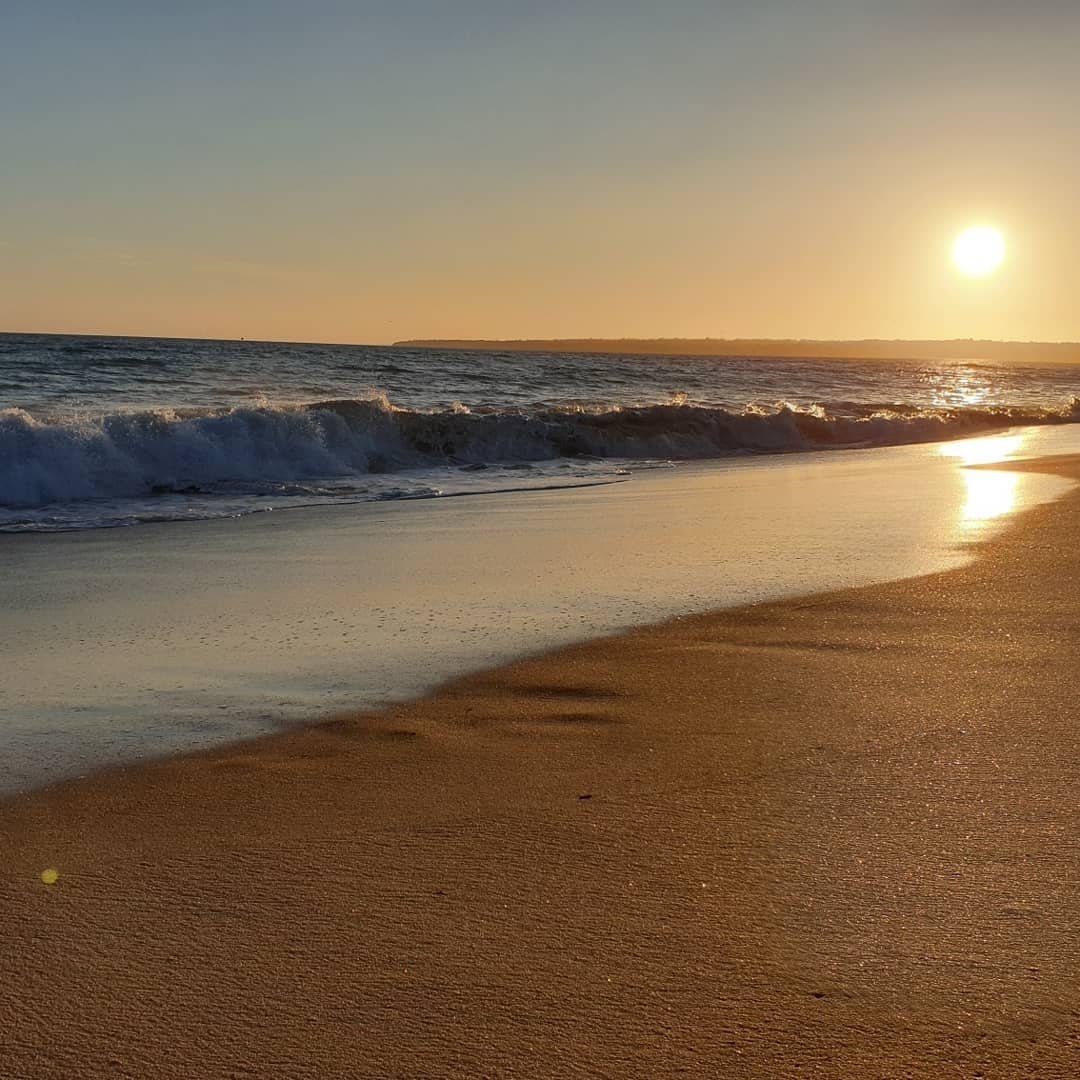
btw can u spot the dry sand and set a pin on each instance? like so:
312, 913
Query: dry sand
830, 837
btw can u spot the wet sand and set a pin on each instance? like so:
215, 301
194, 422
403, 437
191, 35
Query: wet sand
835, 836
121, 644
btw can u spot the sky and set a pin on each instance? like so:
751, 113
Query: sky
369, 171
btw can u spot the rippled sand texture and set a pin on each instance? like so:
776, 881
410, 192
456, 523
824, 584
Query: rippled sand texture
834, 836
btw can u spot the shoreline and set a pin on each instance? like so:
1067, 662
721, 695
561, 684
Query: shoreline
968, 551
123, 646
799, 836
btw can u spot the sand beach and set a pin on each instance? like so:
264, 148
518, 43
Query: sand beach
540, 541
833, 836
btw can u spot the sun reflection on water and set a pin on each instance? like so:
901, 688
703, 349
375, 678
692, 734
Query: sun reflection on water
959, 387
990, 494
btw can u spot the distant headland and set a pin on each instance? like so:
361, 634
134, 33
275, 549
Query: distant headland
1030, 352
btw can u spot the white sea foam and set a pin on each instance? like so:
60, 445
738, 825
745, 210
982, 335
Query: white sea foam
265, 447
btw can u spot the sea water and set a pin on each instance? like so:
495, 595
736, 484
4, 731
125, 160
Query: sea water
605, 492
98, 431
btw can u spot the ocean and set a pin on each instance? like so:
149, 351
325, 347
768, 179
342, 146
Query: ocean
105, 431
606, 492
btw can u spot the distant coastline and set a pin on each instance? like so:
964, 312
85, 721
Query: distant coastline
1031, 352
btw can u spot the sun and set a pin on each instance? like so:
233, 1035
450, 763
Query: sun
979, 251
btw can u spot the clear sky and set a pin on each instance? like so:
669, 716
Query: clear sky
364, 171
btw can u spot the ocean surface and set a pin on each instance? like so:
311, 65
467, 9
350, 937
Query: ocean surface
99, 432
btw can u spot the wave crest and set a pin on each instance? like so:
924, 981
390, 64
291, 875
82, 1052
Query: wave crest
133, 454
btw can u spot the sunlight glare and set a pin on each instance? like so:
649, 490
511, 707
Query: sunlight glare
989, 494
986, 450
979, 251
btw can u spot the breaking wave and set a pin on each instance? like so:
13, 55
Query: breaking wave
139, 454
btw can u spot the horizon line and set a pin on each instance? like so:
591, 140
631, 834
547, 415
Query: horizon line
484, 344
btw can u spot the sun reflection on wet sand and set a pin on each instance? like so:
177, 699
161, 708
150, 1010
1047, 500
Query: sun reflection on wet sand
990, 494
